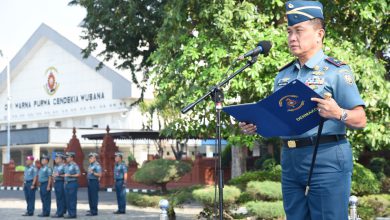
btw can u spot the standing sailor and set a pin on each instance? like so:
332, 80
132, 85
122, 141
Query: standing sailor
45, 181
120, 177
93, 176
30, 180
72, 172
58, 175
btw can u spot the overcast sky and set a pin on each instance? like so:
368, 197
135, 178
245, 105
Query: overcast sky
20, 18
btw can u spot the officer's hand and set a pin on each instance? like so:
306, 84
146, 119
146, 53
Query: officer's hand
247, 128
48, 188
328, 108
55, 174
32, 187
67, 174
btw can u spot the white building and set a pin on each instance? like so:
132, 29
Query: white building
54, 89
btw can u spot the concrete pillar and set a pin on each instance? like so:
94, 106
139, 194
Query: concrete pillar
22, 156
36, 151
4, 154
49, 153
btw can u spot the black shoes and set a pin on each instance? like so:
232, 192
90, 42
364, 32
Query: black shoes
119, 213
90, 214
42, 215
27, 214
57, 216
68, 216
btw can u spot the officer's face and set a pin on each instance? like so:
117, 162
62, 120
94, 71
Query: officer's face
92, 159
69, 159
303, 38
44, 161
118, 159
28, 162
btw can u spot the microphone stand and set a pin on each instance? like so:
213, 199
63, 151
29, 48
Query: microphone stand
217, 96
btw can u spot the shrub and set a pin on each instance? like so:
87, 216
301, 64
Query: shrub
372, 206
245, 178
259, 162
386, 185
206, 196
143, 200
1, 178
377, 166
266, 210
364, 181
244, 198
20, 168
160, 172
175, 197
266, 190
131, 159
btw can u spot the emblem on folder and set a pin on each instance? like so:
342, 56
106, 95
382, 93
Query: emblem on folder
291, 103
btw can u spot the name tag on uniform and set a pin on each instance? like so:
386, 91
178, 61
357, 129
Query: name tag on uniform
283, 82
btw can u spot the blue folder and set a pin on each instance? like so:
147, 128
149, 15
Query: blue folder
287, 112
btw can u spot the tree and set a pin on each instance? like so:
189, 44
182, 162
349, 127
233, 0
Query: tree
160, 172
193, 42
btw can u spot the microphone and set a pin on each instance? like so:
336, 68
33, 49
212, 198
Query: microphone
263, 47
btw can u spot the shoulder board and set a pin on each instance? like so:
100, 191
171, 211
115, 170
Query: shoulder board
287, 65
335, 62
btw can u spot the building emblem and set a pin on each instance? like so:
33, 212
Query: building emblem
51, 85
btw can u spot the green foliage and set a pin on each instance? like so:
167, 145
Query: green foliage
245, 178
259, 162
385, 185
206, 196
160, 172
364, 181
175, 197
143, 200
266, 191
266, 210
131, 159
1, 178
244, 198
377, 166
20, 168
163, 34
372, 206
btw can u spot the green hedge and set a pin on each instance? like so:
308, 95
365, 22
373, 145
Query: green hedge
266, 210
206, 196
175, 197
266, 191
364, 182
20, 168
372, 206
143, 200
1, 178
272, 175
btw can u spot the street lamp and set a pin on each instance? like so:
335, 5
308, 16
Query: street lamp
7, 158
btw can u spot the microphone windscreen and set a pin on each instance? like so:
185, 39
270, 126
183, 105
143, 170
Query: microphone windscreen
266, 45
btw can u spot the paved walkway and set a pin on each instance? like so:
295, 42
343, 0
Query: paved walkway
13, 205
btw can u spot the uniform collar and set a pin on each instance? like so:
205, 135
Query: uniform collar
316, 59
313, 61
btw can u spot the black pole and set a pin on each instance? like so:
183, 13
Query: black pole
313, 160
217, 96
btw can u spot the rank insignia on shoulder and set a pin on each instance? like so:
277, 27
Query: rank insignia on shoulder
335, 62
